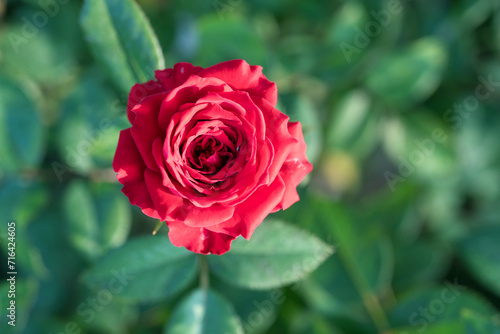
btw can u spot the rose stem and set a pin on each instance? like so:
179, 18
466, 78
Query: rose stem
204, 278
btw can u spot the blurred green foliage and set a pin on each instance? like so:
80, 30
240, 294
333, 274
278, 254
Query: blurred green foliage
399, 106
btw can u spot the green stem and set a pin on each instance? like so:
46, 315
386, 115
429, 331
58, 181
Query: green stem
204, 274
370, 300
376, 311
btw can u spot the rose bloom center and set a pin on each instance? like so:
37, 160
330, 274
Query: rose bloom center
208, 155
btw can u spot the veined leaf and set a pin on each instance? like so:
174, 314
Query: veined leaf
122, 39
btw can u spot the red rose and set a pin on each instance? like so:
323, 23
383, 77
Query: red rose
209, 153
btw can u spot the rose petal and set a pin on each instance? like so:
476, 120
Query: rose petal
278, 134
242, 105
145, 127
198, 239
164, 201
140, 92
190, 91
192, 215
250, 213
158, 155
173, 207
130, 168
295, 168
240, 75
192, 122
171, 78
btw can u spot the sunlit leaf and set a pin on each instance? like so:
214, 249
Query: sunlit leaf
266, 262
122, 40
143, 270
204, 312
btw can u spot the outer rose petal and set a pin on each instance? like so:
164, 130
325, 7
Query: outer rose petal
138, 93
194, 216
172, 78
166, 80
173, 207
194, 88
145, 127
278, 133
250, 213
164, 201
241, 76
130, 168
198, 239
295, 168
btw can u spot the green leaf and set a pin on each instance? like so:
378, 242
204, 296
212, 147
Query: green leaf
122, 40
432, 328
496, 24
479, 251
393, 212
420, 146
441, 207
115, 317
83, 226
425, 306
239, 41
343, 53
28, 257
476, 323
410, 75
366, 256
476, 140
34, 52
21, 202
113, 212
305, 323
21, 129
63, 264
98, 218
89, 127
258, 315
353, 126
204, 312
360, 273
265, 263
472, 13
296, 53
419, 263
145, 269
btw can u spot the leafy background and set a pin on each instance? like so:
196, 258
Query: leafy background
401, 128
